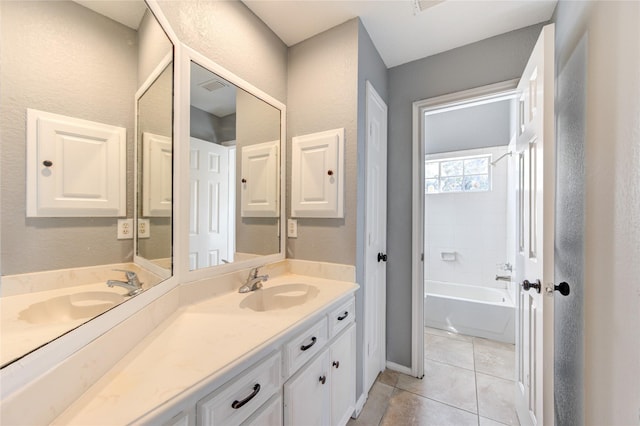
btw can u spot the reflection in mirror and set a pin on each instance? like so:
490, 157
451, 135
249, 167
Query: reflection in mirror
234, 173
63, 58
155, 162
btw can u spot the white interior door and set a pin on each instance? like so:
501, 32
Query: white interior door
535, 164
375, 274
209, 231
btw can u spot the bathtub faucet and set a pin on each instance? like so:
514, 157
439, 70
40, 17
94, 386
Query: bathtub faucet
503, 278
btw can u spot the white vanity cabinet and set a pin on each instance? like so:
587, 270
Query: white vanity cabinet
323, 392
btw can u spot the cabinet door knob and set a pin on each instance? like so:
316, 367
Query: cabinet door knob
322, 379
244, 180
336, 364
47, 163
330, 172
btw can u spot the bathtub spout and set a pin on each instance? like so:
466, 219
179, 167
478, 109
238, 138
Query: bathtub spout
503, 278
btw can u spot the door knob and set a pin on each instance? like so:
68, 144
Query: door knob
382, 257
563, 288
526, 285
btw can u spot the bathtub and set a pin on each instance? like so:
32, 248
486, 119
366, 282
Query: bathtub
471, 310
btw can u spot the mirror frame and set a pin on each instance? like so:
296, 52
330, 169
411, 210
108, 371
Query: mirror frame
22, 373
181, 150
137, 259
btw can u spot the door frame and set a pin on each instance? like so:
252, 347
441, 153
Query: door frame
452, 100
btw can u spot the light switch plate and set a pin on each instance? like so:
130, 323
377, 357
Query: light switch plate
144, 230
292, 228
125, 229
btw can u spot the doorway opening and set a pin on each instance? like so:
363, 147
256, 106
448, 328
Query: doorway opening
464, 226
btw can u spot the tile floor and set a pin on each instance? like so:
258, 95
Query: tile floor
467, 381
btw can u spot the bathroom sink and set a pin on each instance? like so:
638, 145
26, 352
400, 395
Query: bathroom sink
71, 307
279, 297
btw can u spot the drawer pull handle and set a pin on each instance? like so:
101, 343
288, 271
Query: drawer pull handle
305, 347
336, 364
238, 404
322, 379
346, 314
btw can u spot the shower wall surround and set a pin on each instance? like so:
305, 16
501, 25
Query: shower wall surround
473, 225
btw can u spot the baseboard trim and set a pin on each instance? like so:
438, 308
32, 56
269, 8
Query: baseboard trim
399, 368
360, 404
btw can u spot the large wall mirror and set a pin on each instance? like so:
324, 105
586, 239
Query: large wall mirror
234, 170
81, 64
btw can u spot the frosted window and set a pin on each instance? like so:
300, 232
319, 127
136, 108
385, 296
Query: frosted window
462, 174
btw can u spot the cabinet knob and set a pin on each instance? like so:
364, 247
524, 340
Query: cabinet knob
330, 172
322, 379
47, 163
336, 364
244, 180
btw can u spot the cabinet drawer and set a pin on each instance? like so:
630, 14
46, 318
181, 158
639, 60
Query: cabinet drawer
268, 415
341, 317
304, 346
242, 396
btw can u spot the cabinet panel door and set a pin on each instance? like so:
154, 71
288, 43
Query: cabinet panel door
307, 395
260, 180
343, 375
316, 175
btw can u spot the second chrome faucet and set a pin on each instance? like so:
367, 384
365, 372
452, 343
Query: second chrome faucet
254, 281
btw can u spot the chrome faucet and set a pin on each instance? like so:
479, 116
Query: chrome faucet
254, 281
503, 278
132, 284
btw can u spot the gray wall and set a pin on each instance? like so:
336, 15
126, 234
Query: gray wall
322, 95
154, 46
208, 127
371, 68
598, 212
488, 61
484, 125
100, 64
228, 33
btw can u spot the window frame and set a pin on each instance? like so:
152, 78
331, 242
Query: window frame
462, 158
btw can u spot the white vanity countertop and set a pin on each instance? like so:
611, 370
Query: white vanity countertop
198, 342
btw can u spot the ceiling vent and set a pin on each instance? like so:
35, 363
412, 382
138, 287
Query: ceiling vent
422, 5
212, 85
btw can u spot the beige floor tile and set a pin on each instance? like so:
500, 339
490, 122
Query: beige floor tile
496, 399
444, 383
388, 377
449, 351
375, 406
444, 333
495, 358
488, 422
406, 408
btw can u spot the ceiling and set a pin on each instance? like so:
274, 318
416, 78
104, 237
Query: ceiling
211, 93
127, 12
400, 30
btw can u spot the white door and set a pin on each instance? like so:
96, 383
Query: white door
210, 199
535, 165
375, 273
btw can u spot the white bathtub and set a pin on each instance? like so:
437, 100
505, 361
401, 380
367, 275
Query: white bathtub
472, 310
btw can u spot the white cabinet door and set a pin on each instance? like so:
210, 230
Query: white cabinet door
157, 175
317, 175
307, 396
259, 180
343, 376
75, 168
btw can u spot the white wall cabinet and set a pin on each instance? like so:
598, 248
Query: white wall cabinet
260, 180
75, 168
157, 166
317, 181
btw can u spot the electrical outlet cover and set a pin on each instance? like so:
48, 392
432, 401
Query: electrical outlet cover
125, 229
144, 230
